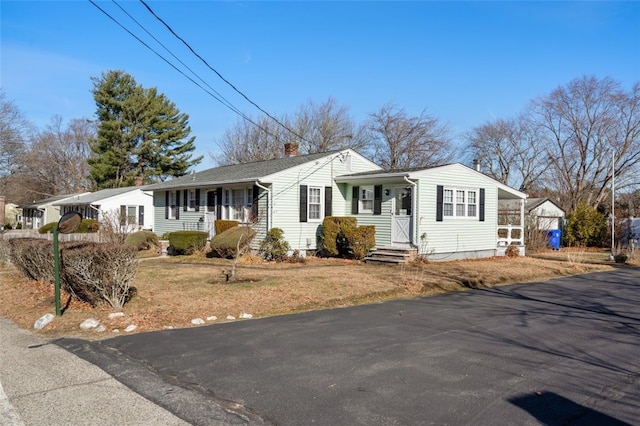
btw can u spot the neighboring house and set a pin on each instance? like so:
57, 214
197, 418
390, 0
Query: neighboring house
446, 212
546, 215
631, 232
10, 213
294, 193
131, 207
41, 212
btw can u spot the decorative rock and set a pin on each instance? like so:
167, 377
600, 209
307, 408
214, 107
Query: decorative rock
230, 317
197, 321
100, 329
89, 323
245, 315
43, 321
212, 318
115, 330
167, 327
115, 315
130, 328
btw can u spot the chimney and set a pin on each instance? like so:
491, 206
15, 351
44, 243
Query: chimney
2, 204
476, 164
290, 149
138, 181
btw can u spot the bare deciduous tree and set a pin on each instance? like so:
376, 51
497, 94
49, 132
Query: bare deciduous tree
59, 154
509, 151
314, 128
402, 141
15, 130
583, 125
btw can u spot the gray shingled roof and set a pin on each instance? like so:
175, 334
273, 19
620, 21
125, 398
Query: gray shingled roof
94, 197
49, 200
245, 172
529, 204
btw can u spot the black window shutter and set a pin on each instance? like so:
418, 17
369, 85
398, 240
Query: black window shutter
185, 194
354, 199
439, 201
303, 203
141, 215
197, 199
123, 215
254, 202
377, 199
178, 204
481, 207
166, 205
219, 201
328, 199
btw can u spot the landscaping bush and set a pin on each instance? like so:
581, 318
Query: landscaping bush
99, 273
45, 229
187, 242
5, 253
232, 242
360, 240
87, 225
142, 240
512, 251
586, 227
274, 246
334, 229
222, 225
33, 258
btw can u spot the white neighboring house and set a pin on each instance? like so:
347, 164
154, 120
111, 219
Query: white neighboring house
41, 212
131, 206
547, 215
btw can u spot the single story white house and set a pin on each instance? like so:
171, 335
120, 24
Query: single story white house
131, 206
445, 212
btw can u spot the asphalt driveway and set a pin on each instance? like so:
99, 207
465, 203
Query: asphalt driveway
559, 353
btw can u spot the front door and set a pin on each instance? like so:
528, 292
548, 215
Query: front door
210, 213
401, 218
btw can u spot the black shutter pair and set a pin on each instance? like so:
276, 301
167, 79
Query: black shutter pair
440, 202
328, 199
377, 199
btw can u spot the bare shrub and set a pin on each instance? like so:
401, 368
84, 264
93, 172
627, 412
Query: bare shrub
33, 258
5, 253
512, 251
114, 228
99, 272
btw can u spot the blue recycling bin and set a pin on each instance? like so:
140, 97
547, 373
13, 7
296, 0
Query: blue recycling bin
554, 237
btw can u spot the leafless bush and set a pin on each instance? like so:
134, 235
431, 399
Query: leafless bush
5, 253
512, 251
99, 272
114, 228
33, 257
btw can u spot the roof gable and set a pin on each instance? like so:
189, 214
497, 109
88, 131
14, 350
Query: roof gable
98, 196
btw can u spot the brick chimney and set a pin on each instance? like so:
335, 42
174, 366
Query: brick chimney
138, 180
290, 149
2, 204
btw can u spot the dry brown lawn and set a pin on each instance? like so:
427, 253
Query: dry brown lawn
171, 291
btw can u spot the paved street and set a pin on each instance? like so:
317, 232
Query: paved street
563, 352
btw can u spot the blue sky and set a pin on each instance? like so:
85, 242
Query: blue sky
464, 62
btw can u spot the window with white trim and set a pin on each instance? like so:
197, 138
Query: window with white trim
365, 198
314, 203
237, 204
173, 204
191, 200
460, 202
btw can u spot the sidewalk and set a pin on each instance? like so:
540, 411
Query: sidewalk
45, 385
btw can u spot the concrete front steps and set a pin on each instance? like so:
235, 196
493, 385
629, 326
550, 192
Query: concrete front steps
391, 255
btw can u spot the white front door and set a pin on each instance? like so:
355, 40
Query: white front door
210, 213
401, 217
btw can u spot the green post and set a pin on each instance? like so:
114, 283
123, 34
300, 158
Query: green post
56, 270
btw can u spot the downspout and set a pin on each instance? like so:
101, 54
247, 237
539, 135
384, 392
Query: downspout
414, 212
269, 202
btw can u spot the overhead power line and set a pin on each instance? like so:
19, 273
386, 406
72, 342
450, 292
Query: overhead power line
218, 74
215, 95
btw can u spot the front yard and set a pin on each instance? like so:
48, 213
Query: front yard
172, 291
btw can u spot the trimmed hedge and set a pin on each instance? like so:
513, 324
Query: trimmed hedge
222, 225
142, 240
187, 242
334, 228
225, 244
360, 240
86, 226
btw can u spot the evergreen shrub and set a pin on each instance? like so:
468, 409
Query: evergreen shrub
274, 246
334, 230
360, 240
187, 242
225, 244
142, 240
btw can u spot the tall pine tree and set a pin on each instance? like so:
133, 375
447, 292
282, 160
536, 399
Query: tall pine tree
140, 134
